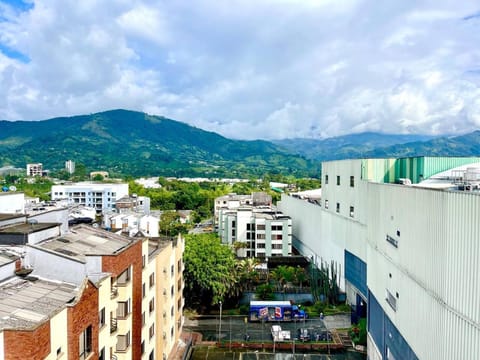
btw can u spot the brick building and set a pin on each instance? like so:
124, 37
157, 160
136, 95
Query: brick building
90, 294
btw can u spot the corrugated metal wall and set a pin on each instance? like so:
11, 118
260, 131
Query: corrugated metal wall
435, 270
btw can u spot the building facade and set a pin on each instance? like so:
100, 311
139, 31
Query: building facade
101, 196
262, 232
405, 233
35, 169
89, 294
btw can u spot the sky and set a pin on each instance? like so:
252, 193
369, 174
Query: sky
248, 69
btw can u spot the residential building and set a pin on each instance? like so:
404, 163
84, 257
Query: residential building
35, 169
88, 294
70, 166
234, 201
263, 231
404, 234
101, 196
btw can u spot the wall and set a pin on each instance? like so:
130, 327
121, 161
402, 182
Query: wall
80, 315
27, 344
12, 203
52, 266
58, 336
54, 216
116, 264
38, 236
433, 272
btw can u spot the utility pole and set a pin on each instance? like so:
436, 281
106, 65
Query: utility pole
220, 324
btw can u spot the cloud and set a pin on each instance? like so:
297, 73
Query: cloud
244, 68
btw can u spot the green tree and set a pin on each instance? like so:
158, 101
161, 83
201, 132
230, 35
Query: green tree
98, 177
170, 224
210, 274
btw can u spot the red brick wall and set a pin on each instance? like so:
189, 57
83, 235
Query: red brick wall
116, 264
80, 316
20, 345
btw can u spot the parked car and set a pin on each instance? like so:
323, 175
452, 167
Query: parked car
304, 334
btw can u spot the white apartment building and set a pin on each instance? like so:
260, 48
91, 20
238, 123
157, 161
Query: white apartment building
35, 169
264, 232
234, 201
70, 166
101, 196
405, 234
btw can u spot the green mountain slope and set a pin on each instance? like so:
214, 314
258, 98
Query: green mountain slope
347, 146
137, 144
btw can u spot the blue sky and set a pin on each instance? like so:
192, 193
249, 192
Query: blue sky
247, 69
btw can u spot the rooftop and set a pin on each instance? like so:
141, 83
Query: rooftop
85, 240
26, 228
26, 303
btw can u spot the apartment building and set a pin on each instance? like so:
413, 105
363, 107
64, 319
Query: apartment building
70, 166
404, 232
263, 231
88, 293
35, 169
234, 201
101, 196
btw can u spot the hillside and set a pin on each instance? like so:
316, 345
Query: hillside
137, 144
348, 146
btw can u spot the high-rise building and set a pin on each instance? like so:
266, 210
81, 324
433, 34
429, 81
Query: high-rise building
70, 166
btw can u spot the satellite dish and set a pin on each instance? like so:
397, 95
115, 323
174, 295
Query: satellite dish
12, 188
95, 225
32, 221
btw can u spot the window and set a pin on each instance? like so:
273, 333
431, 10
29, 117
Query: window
152, 355
172, 270
277, 246
151, 331
172, 291
144, 319
326, 204
326, 179
338, 179
352, 181
352, 211
260, 246
101, 356
142, 347
261, 227
277, 237
101, 317
144, 261
391, 300
123, 342
59, 352
124, 277
151, 279
277, 227
144, 291
151, 305
85, 343
338, 208
260, 236
123, 309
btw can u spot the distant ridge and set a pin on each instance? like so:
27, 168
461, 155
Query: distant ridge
133, 143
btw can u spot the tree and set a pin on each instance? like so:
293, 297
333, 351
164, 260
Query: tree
170, 224
210, 274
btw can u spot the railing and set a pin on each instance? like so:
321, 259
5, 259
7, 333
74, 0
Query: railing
113, 325
114, 292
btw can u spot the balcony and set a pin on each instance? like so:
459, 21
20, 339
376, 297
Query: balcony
113, 292
113, 325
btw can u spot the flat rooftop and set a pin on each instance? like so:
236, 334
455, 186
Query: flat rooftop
85, 240
27, 303
10, 216
25, 228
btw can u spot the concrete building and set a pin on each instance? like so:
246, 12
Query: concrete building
405, 232
35, 169
12, 202
70, 166
234, 201
88, 294
101, 196
263, 231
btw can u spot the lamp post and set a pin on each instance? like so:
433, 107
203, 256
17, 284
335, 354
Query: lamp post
220, 324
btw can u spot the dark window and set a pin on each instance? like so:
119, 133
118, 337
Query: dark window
151, 279
338, 179
124, 277
326, 179
85, 343
338, 207
101, 317
151, 305
352, 181
326, 204
101, 356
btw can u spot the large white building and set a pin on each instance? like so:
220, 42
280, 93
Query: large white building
263, 231
405, 234
101, 196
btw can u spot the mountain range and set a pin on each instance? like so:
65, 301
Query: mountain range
133, 143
